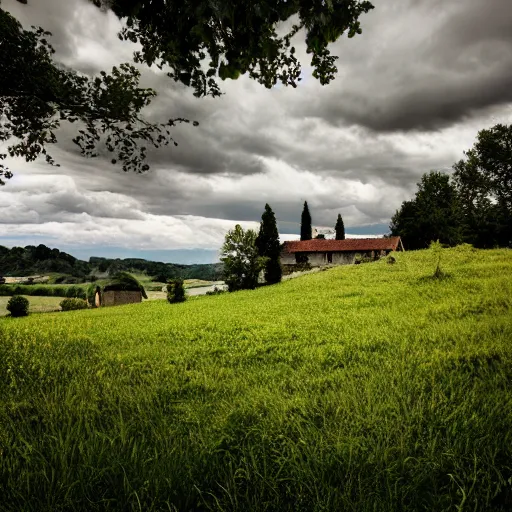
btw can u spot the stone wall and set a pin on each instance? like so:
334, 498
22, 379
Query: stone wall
117, 298
319, 259
288, 258
343, 258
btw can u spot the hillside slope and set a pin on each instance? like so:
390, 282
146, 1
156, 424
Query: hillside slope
30, 260
370, 387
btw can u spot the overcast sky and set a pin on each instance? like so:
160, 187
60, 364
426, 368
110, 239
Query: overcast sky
411, 94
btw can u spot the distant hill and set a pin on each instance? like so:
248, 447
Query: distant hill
29, 260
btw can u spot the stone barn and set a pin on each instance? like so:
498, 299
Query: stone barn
120, 297
320, 252
123, 288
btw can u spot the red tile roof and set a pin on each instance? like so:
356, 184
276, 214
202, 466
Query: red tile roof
347, 245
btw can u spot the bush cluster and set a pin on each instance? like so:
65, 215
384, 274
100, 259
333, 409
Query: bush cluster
73, 304
18, 306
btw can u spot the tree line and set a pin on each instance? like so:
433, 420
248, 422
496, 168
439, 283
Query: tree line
473, 205
29, 260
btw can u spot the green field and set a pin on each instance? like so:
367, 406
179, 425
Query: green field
370, 387
37, 304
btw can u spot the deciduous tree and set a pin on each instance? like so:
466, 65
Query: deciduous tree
201, 40
37, 96
432, 215
242, 263
484, 182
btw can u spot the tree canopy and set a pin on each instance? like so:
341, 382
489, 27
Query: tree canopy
242, 263
473, 206
201, 40
484, 183
197, 41
432, 215
37, 96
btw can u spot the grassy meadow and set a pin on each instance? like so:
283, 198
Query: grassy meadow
369, 387
36, 304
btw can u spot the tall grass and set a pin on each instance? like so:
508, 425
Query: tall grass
372, 387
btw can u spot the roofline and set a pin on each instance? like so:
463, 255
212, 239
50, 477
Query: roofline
394, 244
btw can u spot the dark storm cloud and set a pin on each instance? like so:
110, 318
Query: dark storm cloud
421, 65
412, 92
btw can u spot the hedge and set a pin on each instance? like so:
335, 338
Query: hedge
7, 290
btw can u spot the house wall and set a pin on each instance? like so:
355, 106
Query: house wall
318, 259
343, 258
338, 258
117, 298
288, 258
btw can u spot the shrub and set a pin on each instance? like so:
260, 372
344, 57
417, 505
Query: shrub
361, 258
296, 267
464, 248
18, 306
175, 291
76, 292
216, 291
73, 304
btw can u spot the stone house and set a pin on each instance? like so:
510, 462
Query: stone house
319, 252
122, 288
120, 297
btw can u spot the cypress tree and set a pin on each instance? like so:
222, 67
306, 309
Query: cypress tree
340, 228
267, 243
306, 232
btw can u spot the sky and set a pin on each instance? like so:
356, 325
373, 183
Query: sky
410, 95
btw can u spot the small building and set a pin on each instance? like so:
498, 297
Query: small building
123, 288
120, 297
319, 252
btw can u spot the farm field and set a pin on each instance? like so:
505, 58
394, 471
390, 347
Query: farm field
45, 304
37, 304
369, 387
